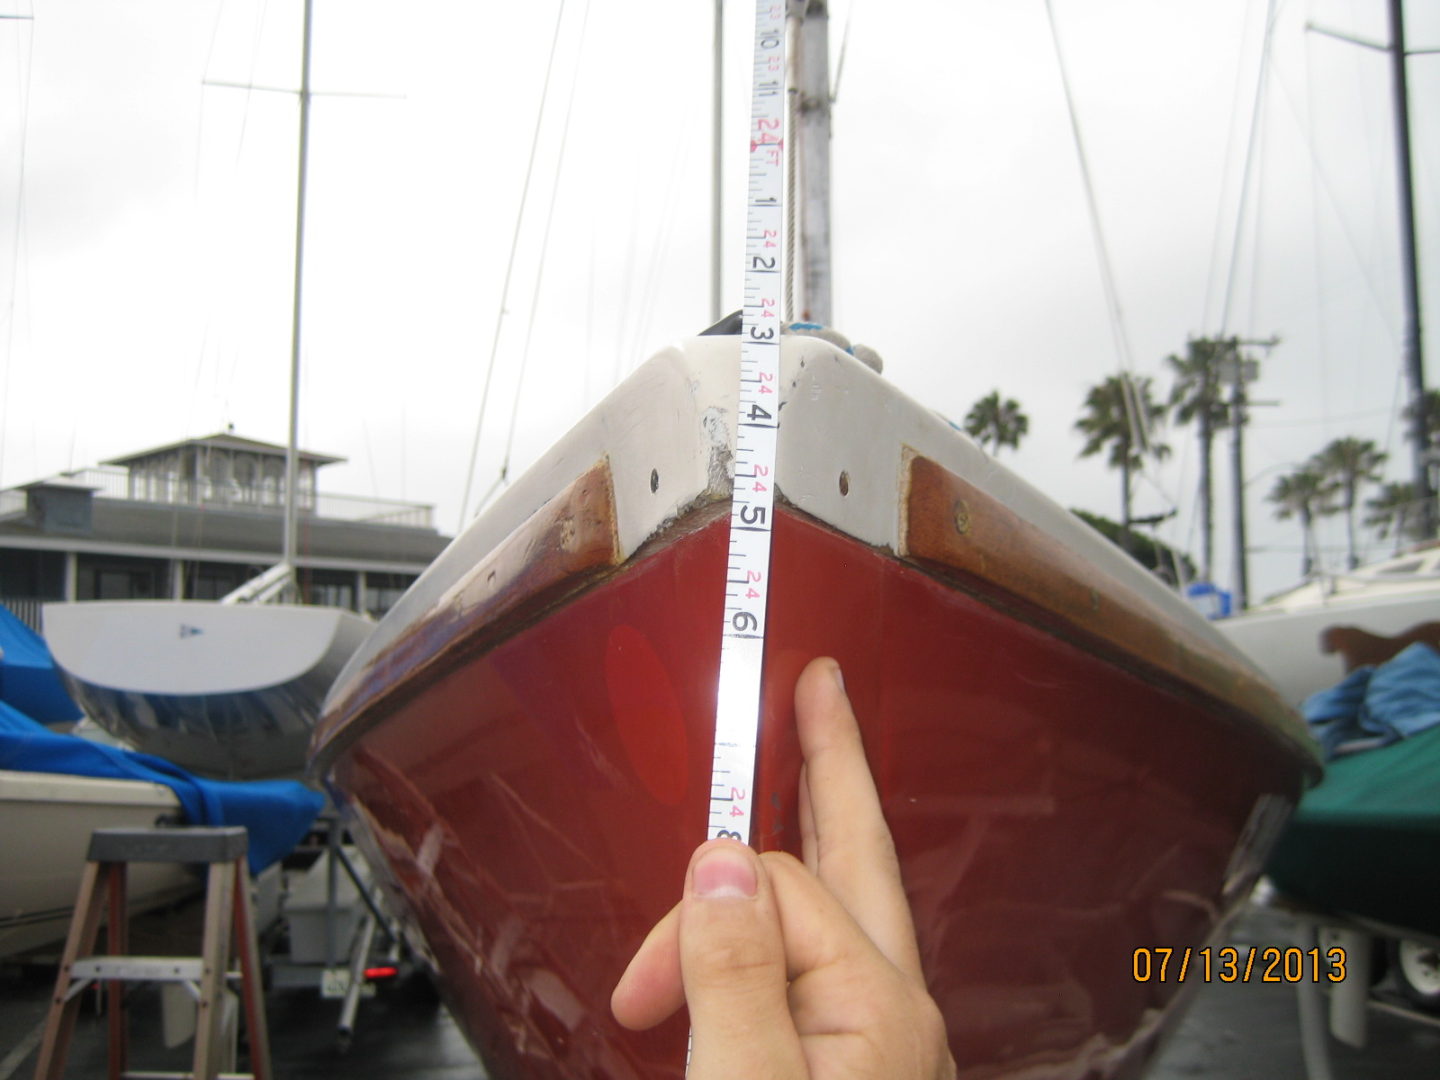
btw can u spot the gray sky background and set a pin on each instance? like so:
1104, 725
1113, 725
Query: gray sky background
146, 222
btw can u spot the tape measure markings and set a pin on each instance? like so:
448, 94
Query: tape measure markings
752, 496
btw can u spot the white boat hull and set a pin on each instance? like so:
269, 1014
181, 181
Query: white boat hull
50, 818
1285, 645
227, 690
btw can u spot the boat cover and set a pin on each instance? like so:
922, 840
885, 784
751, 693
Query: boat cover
277, 813
1364, 841
28, 679
1378, 705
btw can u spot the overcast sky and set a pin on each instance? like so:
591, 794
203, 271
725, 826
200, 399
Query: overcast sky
147, 223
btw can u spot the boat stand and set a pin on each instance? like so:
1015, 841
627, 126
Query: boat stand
332, 919
228, 919
1345, 1016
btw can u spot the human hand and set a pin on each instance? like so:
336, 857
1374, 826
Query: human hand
791, 969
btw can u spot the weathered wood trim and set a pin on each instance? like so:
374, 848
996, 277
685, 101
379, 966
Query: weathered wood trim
950, 526
569, 541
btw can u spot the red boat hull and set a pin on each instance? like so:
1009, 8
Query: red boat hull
536, 799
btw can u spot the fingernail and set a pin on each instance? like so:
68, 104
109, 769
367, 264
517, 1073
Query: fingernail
725, 872
839, 677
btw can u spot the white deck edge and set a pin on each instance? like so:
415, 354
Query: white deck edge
670, 422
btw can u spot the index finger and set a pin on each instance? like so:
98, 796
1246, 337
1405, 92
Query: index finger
845, 838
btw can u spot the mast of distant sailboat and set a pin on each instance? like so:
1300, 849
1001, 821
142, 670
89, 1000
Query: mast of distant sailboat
1414, 350
813, 134
292, 454
1412, 342
279, 582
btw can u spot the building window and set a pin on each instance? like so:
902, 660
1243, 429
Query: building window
383, 591
116, 577
213, 581
31, 575
327, 588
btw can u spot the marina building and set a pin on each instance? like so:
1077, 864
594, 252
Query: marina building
195, 520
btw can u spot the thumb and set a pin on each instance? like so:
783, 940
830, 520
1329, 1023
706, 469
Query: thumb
732, 960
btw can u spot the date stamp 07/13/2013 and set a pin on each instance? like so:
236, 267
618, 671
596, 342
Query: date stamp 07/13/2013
1251, 963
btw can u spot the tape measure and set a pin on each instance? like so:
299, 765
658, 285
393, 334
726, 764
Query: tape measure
757, 418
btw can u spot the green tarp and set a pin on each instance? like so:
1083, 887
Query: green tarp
1366, 841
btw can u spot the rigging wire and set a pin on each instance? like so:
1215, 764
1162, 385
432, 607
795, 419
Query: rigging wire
844, 47
1256, 254
643, 277
510, 262
589, 316
645, 313
261, 15
1316, 186
190, 410
1320, 176
622, 320
1139, 425
544, 247
1218, 239
1323, 184
24, 73
1256, 115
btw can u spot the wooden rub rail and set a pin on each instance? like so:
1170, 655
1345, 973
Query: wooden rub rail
563, 545
954, 528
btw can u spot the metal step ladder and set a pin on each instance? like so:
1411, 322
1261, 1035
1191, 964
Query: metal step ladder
228, 917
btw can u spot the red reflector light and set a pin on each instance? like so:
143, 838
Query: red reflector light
387, 971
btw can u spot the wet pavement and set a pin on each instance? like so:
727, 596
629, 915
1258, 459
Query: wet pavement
1251, 1031
1238, 1031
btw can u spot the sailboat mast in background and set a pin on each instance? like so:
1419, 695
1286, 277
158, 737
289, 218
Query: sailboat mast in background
288, 552
1414, 351
717, 161
813, 136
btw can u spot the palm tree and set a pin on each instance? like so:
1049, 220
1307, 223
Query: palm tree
1349, 463
1432, 415
1198, 395
1393, 512
994, 423
1304, 493
1431, 406
1120, 413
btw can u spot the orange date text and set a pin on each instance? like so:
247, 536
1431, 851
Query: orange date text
1249, 963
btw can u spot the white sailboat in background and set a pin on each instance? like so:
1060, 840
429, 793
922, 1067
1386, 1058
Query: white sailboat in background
38, 880
229, 688
1288, 636
1285, 635
37, 888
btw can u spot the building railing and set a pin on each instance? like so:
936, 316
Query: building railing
116, 484
27, 609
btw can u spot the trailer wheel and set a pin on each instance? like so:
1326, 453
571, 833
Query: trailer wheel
1417, 972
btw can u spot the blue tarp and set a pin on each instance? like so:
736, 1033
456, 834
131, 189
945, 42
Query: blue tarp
28, 679
1379, 705
277, 813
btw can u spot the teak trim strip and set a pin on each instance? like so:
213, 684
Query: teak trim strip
955, 528
571, 539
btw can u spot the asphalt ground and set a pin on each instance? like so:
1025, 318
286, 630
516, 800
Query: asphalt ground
1231, 1031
